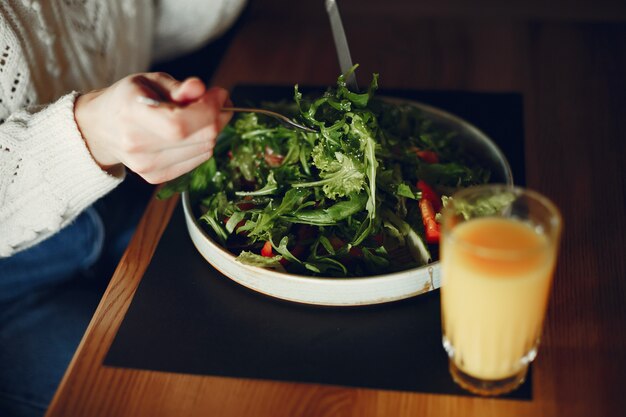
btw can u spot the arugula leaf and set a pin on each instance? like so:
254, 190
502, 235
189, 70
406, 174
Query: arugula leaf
270, 187
403, 190
253, 259
261, 229
333, 214
211, 217
416, 244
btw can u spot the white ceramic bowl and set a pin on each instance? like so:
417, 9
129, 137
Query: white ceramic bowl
349, 291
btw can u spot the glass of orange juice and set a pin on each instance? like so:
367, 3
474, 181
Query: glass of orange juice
498, 253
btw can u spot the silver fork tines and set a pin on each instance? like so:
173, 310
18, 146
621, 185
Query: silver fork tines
280, 117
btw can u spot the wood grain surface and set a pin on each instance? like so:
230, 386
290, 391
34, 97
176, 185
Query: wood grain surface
568, 59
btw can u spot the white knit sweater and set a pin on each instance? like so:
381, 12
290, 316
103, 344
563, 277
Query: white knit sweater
49, 50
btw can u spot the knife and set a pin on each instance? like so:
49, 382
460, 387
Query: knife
341, 43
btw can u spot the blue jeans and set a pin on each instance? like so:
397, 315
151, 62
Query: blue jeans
48, 294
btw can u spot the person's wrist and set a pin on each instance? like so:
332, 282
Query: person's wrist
86, 118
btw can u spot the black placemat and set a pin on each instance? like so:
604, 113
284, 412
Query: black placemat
186, 317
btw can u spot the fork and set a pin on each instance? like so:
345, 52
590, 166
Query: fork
280, 117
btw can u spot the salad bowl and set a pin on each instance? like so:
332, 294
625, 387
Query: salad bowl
353, 291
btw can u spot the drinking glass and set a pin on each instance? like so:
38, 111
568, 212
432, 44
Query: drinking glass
499, 248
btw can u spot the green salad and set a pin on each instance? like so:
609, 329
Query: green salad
360, 197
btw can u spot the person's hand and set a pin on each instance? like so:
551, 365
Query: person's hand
160, 138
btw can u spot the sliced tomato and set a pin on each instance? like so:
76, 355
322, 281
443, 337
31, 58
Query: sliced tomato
267, 250
273, 159
429, 157
428, 193
430, 224
245, 206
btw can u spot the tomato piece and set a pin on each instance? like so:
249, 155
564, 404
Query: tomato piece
273, 159
431, 226
430, 157
245, 206
267, 250
428, 193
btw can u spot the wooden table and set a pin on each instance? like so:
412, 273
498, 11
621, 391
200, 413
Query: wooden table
568, 61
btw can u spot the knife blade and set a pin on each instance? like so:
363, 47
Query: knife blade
341, 43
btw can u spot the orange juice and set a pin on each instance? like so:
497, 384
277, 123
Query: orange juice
496, 275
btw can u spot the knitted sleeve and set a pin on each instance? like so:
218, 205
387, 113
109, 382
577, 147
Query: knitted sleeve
47, 175
185, 25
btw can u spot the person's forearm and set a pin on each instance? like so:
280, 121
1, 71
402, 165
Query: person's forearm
47, 175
